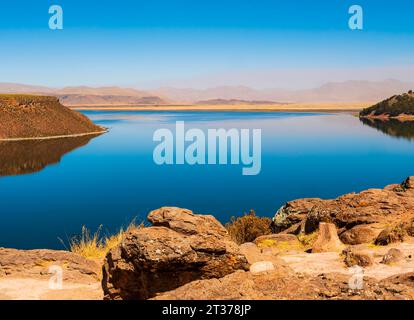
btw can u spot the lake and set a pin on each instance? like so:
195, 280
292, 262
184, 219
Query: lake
50, 189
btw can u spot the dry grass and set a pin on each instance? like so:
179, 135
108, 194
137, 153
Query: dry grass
308, 240
97, 245
282, 246
248, 227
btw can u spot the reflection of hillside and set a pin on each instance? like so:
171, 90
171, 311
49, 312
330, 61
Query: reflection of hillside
23, 157
392, 127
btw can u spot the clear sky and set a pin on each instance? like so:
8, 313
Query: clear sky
260, 43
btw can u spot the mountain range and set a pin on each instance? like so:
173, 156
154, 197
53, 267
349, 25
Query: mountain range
348, 91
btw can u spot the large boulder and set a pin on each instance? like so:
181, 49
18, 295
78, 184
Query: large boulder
178, 248
391, 235
359, 217
363, 233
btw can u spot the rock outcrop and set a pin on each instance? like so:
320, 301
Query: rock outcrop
375, 215
178, 248
397, 106
34, 263
26, 116
327, 240
273, 285
393, 256
27, 274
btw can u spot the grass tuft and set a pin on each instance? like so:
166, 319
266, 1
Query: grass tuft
96, 245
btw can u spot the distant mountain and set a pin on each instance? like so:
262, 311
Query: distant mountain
6, 87
101, 91
189, 95
83, 95
394, 107
348, 91
354, 91
108, 100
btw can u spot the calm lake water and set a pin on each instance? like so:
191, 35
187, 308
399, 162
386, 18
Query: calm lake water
49, 189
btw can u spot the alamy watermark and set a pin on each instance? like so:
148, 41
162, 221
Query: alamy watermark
356, 21
56, 280
56, 20
218, 146
356, 281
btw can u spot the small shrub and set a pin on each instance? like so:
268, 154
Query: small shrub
248, 227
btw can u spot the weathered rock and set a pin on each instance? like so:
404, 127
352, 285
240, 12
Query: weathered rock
255, 254
390, 235
406, 279
292, 214
409, 227
185, 222
26, 275
251, 252
358, 258
328, 240
392, 206
363, 233
261, 266
393, 256
36, 263
274, 285
181, 247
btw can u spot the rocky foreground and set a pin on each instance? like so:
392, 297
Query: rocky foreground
358, 246
28, 116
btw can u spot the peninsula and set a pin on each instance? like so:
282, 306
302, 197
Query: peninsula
31, 117
397, 107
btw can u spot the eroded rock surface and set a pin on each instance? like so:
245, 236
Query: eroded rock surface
274, 285
382, 216
26, 274
327, 240
178, 248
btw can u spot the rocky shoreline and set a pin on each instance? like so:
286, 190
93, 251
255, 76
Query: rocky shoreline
358, 246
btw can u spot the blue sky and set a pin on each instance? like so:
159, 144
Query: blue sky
182, 43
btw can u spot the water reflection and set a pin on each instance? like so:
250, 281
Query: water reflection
24, 157
392, 127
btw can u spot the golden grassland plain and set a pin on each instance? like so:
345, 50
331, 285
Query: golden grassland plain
300, 107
